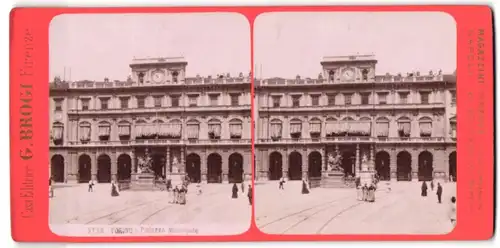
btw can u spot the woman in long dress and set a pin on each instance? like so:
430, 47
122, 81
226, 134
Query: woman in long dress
235, 191
305, 190
424, 189
176, 194
249, 194
114, 190
364, 190
371, 193
182, 195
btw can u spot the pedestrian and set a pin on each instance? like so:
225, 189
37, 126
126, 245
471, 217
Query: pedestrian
51, 190
169, 183
242, 186
91, 186
424, 189
114, 190
235, 191
250, 194
365, 192
439, 192
282, 182
432, 185
371, 193
182, 195
176, 194
452, 211
305, 189
359, 192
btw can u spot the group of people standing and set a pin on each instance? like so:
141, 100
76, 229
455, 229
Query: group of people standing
452, 208
249, 191
178, 194
365, 192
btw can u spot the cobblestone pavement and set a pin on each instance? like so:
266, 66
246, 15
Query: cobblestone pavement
215, 207
336, 211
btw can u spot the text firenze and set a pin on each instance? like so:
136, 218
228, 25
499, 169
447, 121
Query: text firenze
26, 73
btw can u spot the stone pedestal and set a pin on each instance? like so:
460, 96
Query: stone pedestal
177, 178
332, 179
142, 182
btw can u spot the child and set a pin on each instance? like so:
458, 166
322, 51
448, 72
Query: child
452, 212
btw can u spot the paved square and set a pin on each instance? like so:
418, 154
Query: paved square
214, 208
336, 211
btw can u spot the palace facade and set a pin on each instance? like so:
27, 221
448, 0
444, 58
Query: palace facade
405, 125
198, 126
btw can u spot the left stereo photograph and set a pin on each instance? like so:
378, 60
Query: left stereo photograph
150, 124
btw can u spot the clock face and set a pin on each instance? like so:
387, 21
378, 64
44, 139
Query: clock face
158, 76
348, 74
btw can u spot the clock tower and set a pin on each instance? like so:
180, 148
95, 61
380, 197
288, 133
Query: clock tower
349, 69
171, 70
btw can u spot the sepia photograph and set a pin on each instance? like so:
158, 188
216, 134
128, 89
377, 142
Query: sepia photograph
355, 116
150, 124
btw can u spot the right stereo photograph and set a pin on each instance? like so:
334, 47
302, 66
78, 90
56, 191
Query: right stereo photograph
355, 117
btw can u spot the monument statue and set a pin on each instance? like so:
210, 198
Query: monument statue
175, 165
145, 163
334, 162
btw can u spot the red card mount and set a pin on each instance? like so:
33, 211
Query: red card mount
167, 170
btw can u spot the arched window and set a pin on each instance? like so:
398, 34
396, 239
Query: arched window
276, 129
85, 132
57, 133
192, 129
315, 127
425, 126
104, 131
124, 130
331, 127
235, 129
214, 129
382, 127
404, 127
296, 128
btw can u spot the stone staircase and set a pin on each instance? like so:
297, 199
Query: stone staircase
334, 180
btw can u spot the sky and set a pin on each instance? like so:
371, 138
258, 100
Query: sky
96, 46
290, 44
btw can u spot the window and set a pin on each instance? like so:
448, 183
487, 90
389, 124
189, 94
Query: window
141, 101
348, 99
315, 100
331, 100
84, 132
140, 76
104, 103
364, 72
453, 97
235, 129
424, 97
296, 128
425, 126
124, 130
315, 128
235, 99
175, 101
58, 104
382, 127
404, 127
214, 99
175, 76
124, 102
214, 129
403, 97
276, 129
365, 98
193, 100
296, 101
57, 133
382, 98
157, 101
453, 127
85, 104
192, 129
276, 101
104, 131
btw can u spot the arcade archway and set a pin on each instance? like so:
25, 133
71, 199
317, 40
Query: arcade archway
425, 166
124, 167
84, 168
314, 164
403, 162
348, 162
275, 166
103, 169
295, 166
158, 161
193, 167
235, 168
382, 165
452, 160
57, 168
214, 168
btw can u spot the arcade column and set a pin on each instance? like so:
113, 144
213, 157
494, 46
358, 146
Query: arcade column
356, 165
203, 166
133, 159
284, 165
93, 166
168, 168
305, 167
114, 167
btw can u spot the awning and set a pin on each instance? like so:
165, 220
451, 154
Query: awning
170, 130
57, 133
235, 130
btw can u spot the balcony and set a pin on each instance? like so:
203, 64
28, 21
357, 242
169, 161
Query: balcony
377, 79
354, 107
154, 110
154, 142
353, 139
